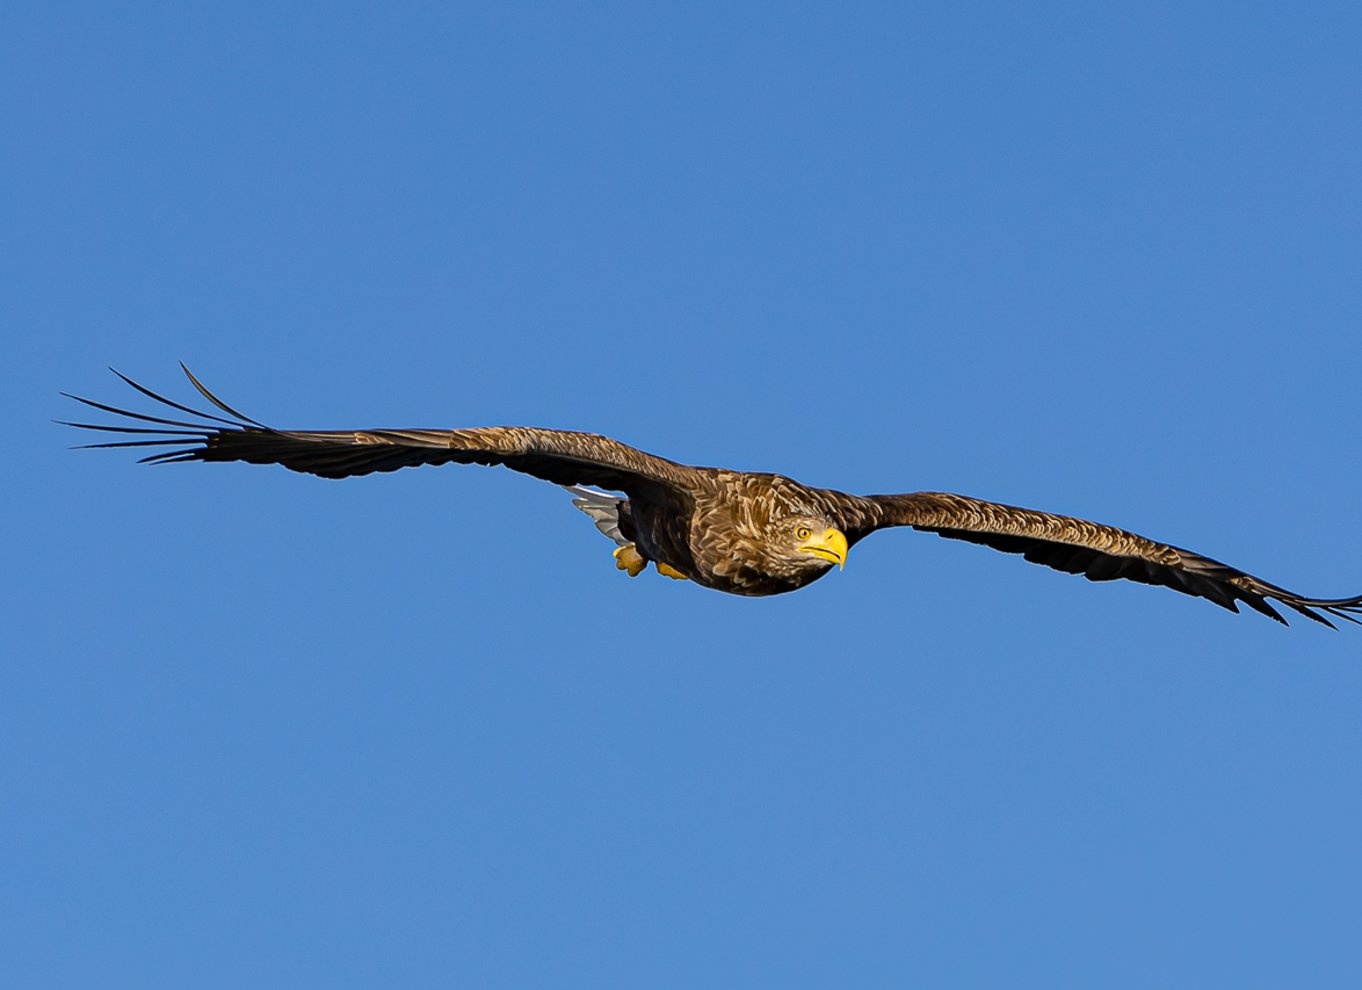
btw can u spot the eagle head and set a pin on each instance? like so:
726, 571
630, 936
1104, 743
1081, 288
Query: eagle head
801, 546
767, 534
820, 540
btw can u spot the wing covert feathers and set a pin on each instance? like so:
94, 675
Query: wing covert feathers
1099, 552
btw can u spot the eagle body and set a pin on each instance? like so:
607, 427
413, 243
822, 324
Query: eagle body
744, 533
727, 532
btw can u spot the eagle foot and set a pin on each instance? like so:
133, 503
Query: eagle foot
670, 571
629, 559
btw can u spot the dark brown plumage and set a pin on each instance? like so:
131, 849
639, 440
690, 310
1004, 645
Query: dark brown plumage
739, 532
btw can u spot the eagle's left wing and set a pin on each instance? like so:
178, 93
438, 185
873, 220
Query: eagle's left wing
1097, 551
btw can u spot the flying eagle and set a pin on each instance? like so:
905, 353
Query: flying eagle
736, 531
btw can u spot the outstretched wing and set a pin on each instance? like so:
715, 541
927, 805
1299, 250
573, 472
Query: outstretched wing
1100, 553
560, 456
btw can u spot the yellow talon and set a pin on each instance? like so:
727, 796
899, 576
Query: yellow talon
629, 559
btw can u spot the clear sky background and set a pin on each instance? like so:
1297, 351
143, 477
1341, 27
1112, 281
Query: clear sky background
261, 729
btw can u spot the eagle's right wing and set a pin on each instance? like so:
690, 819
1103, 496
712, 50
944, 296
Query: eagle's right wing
560, 456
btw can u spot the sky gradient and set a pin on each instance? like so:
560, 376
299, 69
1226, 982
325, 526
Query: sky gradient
262, 729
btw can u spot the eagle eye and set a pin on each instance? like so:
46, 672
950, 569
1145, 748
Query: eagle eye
803, 533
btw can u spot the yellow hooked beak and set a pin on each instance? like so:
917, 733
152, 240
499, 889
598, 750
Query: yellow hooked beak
831, 546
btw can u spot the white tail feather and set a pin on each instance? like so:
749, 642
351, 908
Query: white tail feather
603, 508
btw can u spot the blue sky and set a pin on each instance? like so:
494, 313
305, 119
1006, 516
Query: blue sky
261, 729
